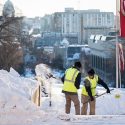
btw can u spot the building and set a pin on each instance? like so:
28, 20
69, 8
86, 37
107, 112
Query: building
68, 53
101, 56
57, 22
95, 22
70, 21
80, 23
86, 22
47, 24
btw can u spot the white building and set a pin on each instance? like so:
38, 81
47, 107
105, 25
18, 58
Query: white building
70, 21
80, 23
95, 18
86, 22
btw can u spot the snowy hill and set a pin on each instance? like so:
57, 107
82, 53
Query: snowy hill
16, 107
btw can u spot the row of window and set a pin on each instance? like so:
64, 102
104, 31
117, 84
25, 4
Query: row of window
100, 63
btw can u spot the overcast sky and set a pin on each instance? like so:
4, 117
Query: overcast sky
33, 8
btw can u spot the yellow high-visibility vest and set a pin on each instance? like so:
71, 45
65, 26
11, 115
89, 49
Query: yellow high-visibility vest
69, 81
93, 83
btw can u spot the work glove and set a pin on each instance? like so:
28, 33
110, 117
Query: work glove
92, 98
108, 91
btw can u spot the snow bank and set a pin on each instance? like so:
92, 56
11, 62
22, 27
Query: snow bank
15, 91
16, 107
111, 104
58, 73
13, 81
44, 72
14, 73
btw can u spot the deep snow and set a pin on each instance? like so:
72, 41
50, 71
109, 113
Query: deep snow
16, 107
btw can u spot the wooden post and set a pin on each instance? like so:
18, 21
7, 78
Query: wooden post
36, 97
39, 96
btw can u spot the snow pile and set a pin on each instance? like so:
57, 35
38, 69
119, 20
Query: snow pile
58, 73
12, 80
15, 100
15, 91
76, 56
111, 104
14, 73
44, 72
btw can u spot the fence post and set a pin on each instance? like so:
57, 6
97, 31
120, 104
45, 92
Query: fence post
36, 97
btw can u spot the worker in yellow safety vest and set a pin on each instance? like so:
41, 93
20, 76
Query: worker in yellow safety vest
71, 80
89, 92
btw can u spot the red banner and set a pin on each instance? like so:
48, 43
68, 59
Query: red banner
121, 58
122, 18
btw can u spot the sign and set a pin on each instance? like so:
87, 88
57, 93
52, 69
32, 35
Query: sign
123, 7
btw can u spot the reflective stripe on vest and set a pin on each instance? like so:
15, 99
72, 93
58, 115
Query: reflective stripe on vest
72, 80
93, 83
69, 81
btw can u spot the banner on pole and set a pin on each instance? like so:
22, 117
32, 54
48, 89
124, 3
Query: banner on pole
121, 58
122, 18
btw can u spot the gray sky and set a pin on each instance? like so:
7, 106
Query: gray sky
33, 8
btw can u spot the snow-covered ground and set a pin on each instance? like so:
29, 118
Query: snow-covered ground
16, 107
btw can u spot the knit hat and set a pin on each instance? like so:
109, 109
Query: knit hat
78, 64
91, 72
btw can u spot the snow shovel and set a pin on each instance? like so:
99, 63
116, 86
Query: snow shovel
102, 93
98, 96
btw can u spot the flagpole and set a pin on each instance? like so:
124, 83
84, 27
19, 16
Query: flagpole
117, 65
120, 78
119, 68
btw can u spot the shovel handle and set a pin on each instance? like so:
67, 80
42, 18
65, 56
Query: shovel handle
103, 93
98, 96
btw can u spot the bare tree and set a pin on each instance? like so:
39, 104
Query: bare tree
10, 49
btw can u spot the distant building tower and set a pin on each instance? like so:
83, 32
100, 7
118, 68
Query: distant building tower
8, 9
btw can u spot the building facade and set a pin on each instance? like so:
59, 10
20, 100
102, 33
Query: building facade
86, 22
82, 23
102, 48
70, 21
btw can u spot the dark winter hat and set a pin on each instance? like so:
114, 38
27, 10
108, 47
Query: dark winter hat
78, 64
91, 72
